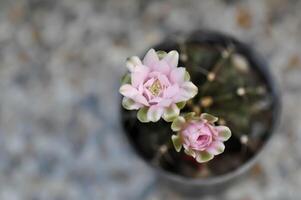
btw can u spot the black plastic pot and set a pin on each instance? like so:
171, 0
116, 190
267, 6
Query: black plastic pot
211, 184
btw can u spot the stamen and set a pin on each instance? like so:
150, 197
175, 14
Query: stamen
155, 88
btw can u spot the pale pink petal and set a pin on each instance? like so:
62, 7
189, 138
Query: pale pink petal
140, 89
149, 82
155, 100
177, 75
162, 67
216, 148
128, 90
140, 99
148, 95
139, 75
171, 91
132, 63
151, 58
187, 91
163, 80
172, 59
213, 130
165, 103
154, 113
154, 74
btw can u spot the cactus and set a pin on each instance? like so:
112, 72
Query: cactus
228, 87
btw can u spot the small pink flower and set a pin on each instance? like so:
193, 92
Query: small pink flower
199, 136
156, 86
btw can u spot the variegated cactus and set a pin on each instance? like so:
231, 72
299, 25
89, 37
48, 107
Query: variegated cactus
157, 87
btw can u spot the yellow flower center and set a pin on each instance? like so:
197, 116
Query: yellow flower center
155, 88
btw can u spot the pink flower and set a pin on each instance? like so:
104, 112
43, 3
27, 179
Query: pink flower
199, 136
156, 86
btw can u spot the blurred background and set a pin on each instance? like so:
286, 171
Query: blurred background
60, 66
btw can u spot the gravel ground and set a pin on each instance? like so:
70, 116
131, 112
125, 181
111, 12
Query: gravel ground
60, 65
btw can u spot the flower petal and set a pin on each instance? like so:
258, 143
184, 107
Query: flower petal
177, 75
190, 116
209, 118
172, 59
142, 115
187, 91
216, 148
181, 104
171, 113
161, 54
139, 75
140, 99
190, 89
132, 62
190, 152
177, 142
224, 133
171, 91
128, 90
203, 156
151, 58
154, 113
165, 102
126, 79
163, 79
187, 76
178, 123
129, 104
155, 100
162, 67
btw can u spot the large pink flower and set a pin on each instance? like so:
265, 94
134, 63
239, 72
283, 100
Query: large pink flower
199, 136
156, 86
